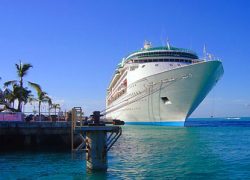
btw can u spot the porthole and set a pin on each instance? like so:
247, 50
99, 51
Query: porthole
165, 100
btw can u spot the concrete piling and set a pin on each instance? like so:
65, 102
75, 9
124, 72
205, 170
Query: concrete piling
97, 139
96, 154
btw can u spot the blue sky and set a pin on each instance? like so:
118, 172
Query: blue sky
75, 45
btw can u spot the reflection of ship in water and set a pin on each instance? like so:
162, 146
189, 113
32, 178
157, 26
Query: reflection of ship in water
160, 84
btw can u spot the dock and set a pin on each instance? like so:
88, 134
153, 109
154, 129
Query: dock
35, 135
95, 137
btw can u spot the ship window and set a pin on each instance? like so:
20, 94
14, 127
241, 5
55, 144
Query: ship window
165, 100
143, 66
171, 64
156, 64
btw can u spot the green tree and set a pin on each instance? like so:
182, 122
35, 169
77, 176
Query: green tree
55, 106
42, 96
50, 104
8, 96
9, 99
20, 93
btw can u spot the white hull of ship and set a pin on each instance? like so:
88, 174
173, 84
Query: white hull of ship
169, 96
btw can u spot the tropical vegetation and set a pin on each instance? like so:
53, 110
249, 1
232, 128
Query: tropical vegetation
42, 96
55, 107
16, 91
19, 92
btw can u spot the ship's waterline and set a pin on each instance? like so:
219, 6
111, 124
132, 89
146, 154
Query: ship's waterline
167, 89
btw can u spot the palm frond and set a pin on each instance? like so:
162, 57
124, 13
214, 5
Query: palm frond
50, 101
37, 87
44, 94
13, 82
18, 66
25, 68
22, 69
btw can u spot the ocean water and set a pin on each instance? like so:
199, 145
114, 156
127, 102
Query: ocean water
218, 149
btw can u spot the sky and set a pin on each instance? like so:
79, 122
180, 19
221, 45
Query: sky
75, 45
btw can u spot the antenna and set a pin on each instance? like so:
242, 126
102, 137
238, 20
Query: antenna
204, 52
168, 44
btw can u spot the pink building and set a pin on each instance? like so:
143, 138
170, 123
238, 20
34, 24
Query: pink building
11, 116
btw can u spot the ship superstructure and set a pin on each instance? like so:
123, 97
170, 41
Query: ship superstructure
160, 84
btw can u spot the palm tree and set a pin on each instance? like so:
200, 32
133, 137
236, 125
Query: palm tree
42, 96
50, 104
55, 106
22, 94
9, 96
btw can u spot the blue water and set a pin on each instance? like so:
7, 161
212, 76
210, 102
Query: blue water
221, 151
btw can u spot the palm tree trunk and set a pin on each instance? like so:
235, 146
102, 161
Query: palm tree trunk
21, 82
39, 110
49, 113
19, 108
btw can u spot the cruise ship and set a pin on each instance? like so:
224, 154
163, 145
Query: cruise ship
160, 85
